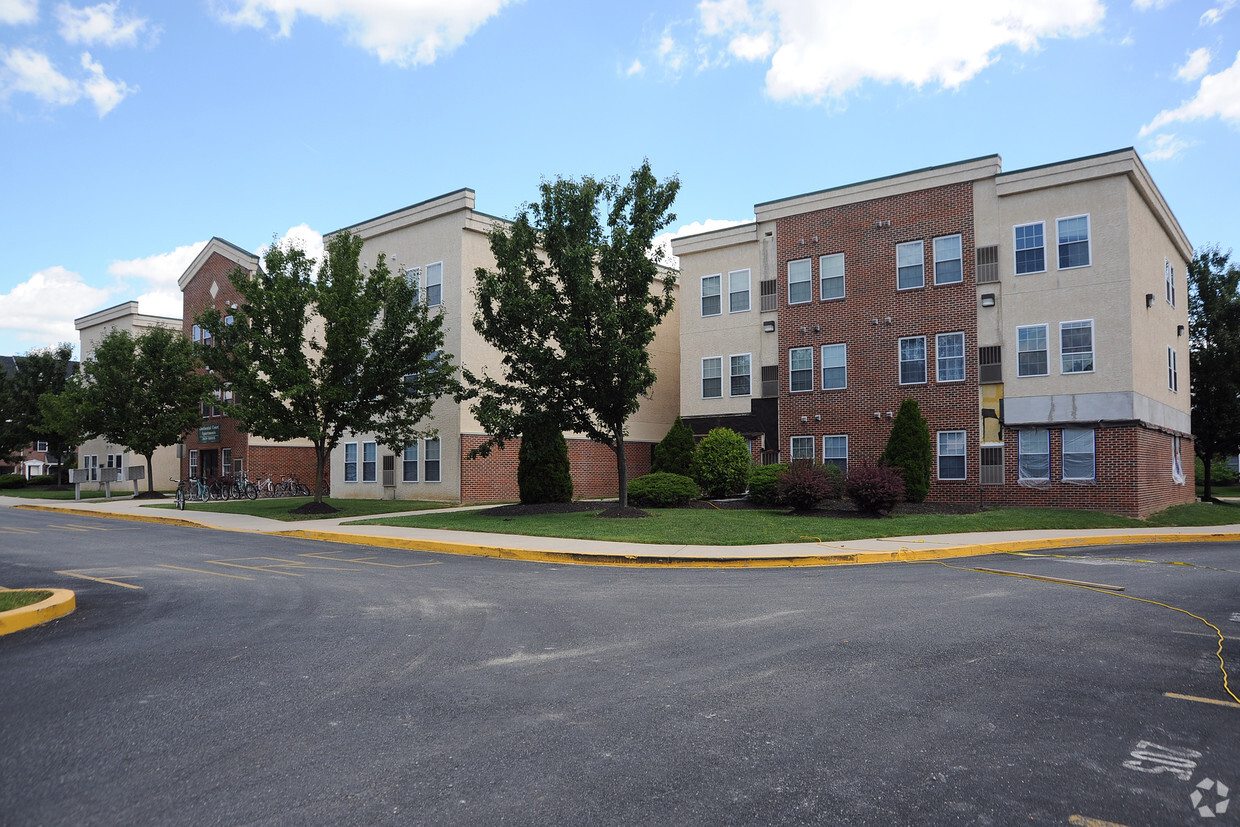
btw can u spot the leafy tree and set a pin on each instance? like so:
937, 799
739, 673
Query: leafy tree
543, 471
908, 448
721, 463
142, 391
41, 372
674, 453
313, 355
572, 306
1214, 356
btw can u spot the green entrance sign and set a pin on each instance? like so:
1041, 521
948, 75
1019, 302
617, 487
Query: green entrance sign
209, 433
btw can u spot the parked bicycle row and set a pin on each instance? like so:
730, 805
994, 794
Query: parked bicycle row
205, 489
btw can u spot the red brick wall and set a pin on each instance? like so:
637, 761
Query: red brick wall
494, 478
1132, 474
861, 231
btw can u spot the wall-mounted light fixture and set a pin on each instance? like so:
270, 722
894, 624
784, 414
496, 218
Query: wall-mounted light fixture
988, 300
817, 417
1179, 330
805, 419
878, 414
769, 325
1149, 299
817, 328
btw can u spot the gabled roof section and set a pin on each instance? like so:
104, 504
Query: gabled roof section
960, 172
243, 259
462, 199
1125, 162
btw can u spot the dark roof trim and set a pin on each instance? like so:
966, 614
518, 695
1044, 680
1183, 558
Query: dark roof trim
401, 209
1069, 161
876, 180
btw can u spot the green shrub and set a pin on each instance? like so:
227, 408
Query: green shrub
764, 484
807, 483
543, 472
674, 453
908, 448
12, 481
43, 479
662, 490
721, 463
874, 488
1222, 474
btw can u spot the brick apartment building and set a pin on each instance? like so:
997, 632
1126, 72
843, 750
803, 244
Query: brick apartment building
1039, 318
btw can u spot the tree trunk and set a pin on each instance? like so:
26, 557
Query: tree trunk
150, 476
320, 459
1206, 493
622, 471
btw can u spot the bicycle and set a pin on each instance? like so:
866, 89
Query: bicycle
265, 487
290, 487
179, 496
242, 488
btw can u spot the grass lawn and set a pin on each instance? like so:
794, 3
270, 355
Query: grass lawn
694, 526
46, 494
22, 597
1221, 490
278, 508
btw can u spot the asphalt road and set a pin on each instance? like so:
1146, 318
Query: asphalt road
211, 677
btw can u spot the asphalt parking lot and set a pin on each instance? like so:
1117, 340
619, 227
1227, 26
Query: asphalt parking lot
218, 677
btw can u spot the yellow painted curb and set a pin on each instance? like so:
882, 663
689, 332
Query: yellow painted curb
112, 515
61, 603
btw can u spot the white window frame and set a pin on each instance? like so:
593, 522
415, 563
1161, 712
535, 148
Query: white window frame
905, 264
718, 376
1060, 243
413, 276
939, 360
834, 457
925, 368
1169, 276
434, 281
801, 441
1017, 249
712, 288
40, 446
432, 467
1065, 354
370, 462
350, 463
734, 293
793, 371
90, 462
1064, 453
744, 360
1046, 350
1022, 453
946, 257
193, 463
1173, 370
837, 359
806, 279
407, 463
827, 266
956, 446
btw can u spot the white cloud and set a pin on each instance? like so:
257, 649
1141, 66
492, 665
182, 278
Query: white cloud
14, 12
662, 243
819, 50
161, 269
635, 68
1198, 64
1166, 147
32, 73
1214, 15
1146, 5
670, 53
1218, 97
404, 32
98, 24
41, 309
302, 236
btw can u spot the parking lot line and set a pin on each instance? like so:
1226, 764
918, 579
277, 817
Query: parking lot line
204, 571
1178, 696
100, 579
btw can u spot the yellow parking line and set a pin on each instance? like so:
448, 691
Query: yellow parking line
204, 571
100, 580
254, 568
1086, 821
366, 561
1201, 700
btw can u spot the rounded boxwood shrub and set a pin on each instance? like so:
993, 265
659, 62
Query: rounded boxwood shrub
805, 484
674, 454
663, 490
543, 472
12, 481
764, 484
721, 463
874, 488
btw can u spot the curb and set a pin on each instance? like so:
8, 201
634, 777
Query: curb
61, 603
113, 515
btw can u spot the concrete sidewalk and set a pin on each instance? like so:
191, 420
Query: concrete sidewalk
553, 549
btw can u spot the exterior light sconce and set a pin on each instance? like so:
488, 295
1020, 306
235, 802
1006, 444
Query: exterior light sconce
888, 320
1149, 299
817, 417
769, 325
988, 300
890, 415
817, 328
1179, 330
805, 419
815, 239
878, 414
875, 320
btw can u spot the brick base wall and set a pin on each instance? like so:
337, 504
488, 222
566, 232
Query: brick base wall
494, 478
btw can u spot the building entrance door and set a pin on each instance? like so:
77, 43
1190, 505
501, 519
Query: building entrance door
210, 460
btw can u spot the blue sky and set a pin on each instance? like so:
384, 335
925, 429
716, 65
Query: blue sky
133, 131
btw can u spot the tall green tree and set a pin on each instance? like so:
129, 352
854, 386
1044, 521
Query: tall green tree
674, 453
1214, 356
311, 355
143, 392
572, 306
45, 371
908, 448
544, 474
